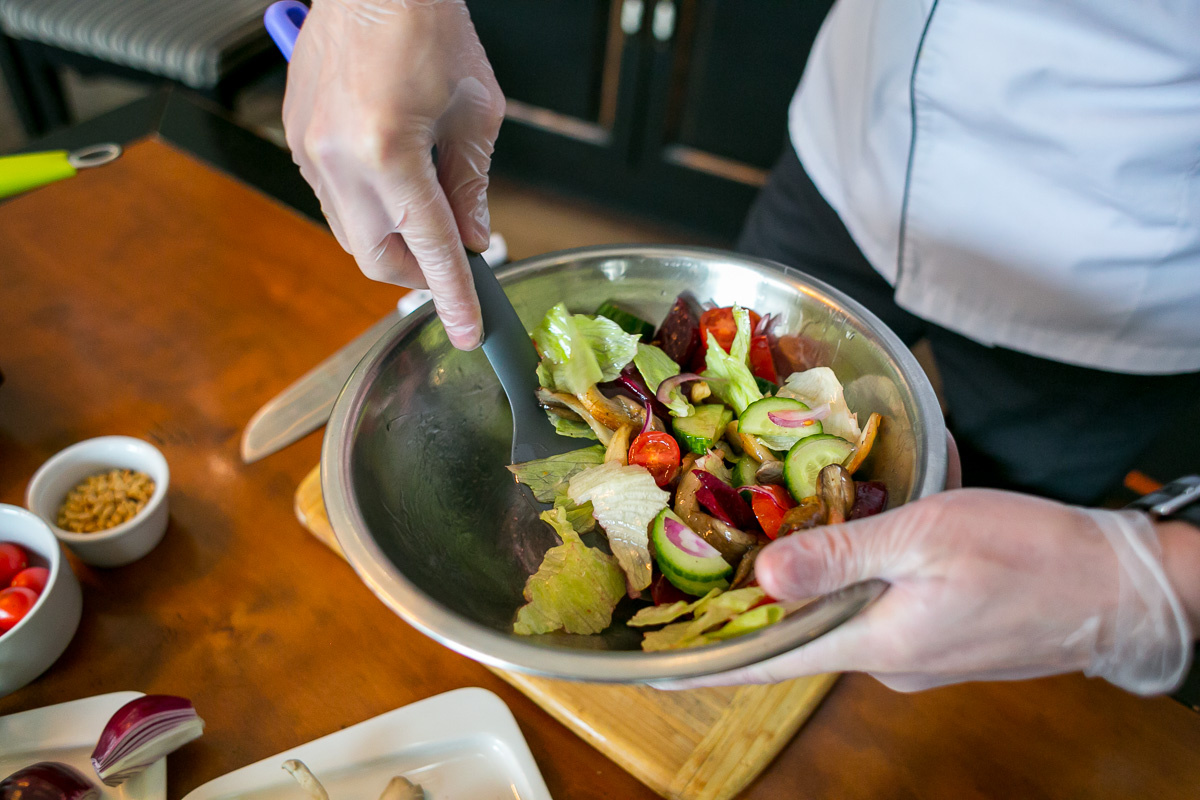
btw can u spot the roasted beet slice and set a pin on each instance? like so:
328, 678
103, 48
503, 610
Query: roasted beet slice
679, 334
870, 498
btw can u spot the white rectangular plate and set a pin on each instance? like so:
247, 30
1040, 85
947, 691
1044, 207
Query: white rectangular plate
461, 745
68, 732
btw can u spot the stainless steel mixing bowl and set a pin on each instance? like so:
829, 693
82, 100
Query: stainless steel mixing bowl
413, 463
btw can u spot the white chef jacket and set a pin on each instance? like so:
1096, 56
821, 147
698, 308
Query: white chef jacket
1024, 172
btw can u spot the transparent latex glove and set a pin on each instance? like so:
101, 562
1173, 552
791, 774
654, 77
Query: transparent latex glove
373, 86
985, 585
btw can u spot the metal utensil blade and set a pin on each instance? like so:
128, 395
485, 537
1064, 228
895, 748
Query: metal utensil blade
305, 405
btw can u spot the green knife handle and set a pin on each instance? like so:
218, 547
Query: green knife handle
20, 173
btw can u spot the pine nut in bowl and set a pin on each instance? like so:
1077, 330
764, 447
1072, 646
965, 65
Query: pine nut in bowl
105, 498
39, 637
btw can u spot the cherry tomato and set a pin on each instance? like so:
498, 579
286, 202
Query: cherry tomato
659, 453
721, 324
34, 578
14, 605
762, 363
770, 510
13, 559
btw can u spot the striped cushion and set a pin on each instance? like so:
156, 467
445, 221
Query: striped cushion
195, 42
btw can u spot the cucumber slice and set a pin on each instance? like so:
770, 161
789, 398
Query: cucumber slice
701, 430
756, 419
628, 322
808, 457
696, 570
743, 472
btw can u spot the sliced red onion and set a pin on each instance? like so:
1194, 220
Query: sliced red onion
647, 423
798, 419
664, 388
682, 537
764, 325
141, 732
48, 780
776, 493
723, 501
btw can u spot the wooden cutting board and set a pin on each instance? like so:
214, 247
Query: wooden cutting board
703, 744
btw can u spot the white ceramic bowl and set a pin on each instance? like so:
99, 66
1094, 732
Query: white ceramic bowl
126, 542
33, 644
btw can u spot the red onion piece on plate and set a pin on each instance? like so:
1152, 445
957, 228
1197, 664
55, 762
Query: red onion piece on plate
48, 780
141, 732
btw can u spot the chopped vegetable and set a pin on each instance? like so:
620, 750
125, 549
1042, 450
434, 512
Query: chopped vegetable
722, 324
808, 457
547, 477
816, 387
661, 615
725, 503
401, 788
625, 500
679, 334
48, 780
762, 362
750, 621
870, 498
578, 351
702, 429
571, 428
656, 367
307, 780
630, 323
708, 615
736, 386
658, 452
575, 589
141, 732
688, 561
865, 442
769, 504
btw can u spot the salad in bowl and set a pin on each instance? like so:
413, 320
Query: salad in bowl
711, 435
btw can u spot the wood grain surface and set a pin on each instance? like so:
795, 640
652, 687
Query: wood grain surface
158, 298
704, 744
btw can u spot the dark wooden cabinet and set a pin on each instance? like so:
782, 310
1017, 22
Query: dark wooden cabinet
672, 108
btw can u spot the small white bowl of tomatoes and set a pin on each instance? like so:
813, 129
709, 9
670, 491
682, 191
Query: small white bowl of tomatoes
40, 600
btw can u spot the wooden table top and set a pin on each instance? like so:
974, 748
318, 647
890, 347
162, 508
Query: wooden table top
159, 298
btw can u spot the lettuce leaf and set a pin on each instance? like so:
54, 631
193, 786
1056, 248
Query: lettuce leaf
661, 615
579, 351
625, 500
581, 518
735, 386
710, 612
547, 477
575, 589
656, 366
572, 428
748, 622
819, 385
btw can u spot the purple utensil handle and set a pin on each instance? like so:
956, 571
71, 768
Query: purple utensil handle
283, 20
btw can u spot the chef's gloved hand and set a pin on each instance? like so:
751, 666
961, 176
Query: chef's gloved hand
985, 585
373, 86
